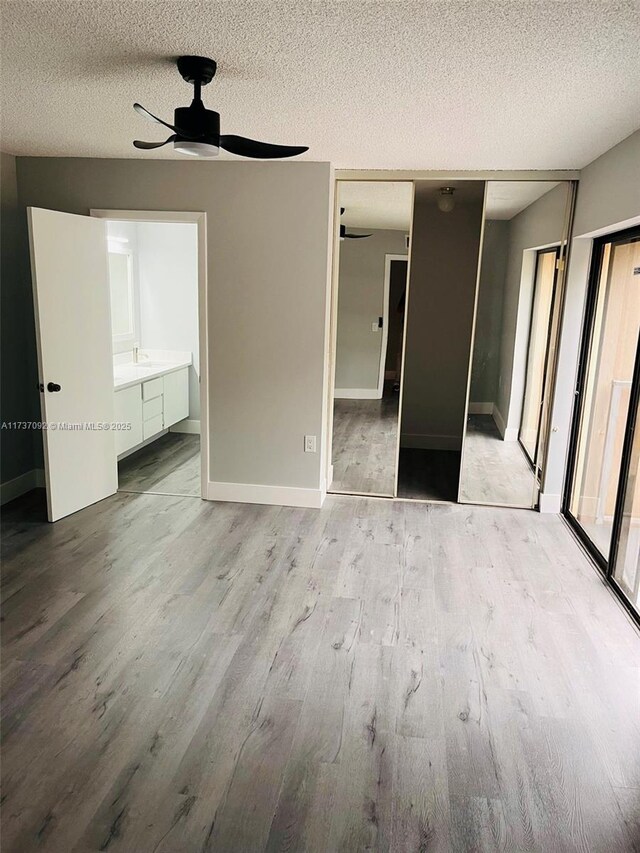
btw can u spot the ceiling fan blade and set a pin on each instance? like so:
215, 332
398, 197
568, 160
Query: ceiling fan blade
139, 144
357, 236
146, 114
260, 150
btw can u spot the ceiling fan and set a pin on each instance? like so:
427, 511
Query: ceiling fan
343, 231
196, 130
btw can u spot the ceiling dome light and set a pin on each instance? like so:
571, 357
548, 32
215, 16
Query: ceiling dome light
195, 148
446, 202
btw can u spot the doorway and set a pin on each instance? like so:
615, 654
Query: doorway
90, 358
153, 278
601, 500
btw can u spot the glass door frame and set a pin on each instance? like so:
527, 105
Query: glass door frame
604, 564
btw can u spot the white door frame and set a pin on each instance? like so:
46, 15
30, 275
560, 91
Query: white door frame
199, 219
385, 315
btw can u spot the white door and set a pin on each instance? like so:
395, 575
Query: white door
75, 363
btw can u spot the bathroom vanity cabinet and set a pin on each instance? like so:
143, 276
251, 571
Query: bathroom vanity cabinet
151, 400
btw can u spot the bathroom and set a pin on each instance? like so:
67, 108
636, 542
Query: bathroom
153, 281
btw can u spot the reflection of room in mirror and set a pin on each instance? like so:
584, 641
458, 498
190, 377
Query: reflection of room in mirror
444, 264
372, 273
524, 229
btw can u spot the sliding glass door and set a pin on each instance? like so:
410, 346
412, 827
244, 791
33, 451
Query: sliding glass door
543, 296
626, 554
601, 501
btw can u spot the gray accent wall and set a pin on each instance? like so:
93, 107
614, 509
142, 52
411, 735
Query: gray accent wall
445, 251
267, 251
360, 303
20, 448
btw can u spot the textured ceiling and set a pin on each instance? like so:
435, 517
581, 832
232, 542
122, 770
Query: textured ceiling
505, 199
481, 84
388, 204
376, 204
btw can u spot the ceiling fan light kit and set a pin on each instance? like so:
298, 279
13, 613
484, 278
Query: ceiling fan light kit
196, 130
195, 148
446, 201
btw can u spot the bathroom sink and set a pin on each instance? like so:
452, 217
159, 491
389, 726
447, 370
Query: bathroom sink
140, 371
152, 365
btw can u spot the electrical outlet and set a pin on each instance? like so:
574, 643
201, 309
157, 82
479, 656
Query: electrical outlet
309, 444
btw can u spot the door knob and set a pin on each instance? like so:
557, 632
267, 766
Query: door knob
53, 386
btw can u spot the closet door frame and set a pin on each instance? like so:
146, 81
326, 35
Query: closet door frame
571, 177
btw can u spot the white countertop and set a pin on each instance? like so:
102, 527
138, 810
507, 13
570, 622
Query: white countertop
126, 375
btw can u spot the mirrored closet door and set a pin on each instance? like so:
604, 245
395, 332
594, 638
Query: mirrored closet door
372, 245
517, 303
445, 246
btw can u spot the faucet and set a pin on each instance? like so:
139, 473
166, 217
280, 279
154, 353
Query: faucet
136, 353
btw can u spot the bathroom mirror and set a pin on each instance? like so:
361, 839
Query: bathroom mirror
521, 268
121, 290
372, 238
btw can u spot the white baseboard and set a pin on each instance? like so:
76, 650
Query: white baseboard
13, 489
481, 408
550, 503
417, 441
188, 426
588, 508
248, 493
357, 394
507, 433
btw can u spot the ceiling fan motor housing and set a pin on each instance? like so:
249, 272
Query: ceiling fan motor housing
198, 70
198, 123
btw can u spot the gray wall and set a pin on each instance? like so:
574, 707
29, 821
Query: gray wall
444, 265
360, 303
20, 402
485, 367
541, 224
267, 253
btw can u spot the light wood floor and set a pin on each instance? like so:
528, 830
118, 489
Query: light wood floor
493, 470
365, 439
183, 676
168, 466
